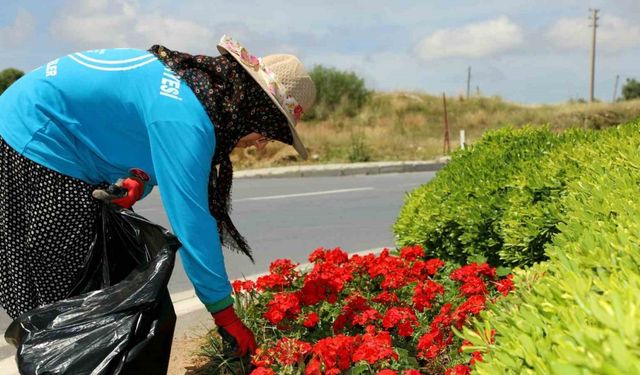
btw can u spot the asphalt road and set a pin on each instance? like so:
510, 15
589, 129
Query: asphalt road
290, 217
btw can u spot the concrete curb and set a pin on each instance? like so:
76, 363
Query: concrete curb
346, 169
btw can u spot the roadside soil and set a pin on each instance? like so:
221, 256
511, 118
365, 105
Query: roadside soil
189, 336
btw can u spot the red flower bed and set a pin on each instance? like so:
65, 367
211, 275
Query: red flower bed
385, 314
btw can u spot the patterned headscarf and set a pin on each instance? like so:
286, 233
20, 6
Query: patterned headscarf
237, 106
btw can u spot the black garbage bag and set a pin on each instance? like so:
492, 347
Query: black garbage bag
119, 318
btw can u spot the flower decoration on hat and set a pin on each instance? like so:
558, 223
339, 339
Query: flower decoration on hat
273, 85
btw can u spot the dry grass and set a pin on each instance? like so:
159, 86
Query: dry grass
409, 126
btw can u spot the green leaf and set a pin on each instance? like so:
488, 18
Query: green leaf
357, 370
503, 271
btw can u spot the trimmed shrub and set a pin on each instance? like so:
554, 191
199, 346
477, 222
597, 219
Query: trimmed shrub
578, 313
534, 202
503, 199
459, 214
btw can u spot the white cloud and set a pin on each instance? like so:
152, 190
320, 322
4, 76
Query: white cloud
20, 31
473, 40
613, 34
99, 23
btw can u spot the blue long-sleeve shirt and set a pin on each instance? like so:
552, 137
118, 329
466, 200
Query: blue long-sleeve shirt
94, 115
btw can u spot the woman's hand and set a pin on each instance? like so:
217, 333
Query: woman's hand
125, 192
234, 332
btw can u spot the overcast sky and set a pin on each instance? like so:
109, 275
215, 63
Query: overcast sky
533, 51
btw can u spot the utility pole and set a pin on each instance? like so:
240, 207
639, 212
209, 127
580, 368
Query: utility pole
468, 81
615, 88
594, 18
447, 145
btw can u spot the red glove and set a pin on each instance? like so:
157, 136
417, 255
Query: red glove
234, 331
134, 187
125, 192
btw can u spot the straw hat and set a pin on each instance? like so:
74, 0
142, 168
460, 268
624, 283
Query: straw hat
284, 79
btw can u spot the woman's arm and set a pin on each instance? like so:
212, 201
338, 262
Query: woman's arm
182, 155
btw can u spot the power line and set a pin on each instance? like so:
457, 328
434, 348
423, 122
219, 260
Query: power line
594, 17
468, 81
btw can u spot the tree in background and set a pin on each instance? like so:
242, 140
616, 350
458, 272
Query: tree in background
631, 89
338, 92
9, 76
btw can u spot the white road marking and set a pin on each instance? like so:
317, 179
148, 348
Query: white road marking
304, 194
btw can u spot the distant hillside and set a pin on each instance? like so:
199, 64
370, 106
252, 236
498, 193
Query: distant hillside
409, 126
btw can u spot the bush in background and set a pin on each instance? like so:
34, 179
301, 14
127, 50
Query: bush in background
8, 77
631, 89
338, 92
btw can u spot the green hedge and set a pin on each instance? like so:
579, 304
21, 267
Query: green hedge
534, 203
579, 313
466, 211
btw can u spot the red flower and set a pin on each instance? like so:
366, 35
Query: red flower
393, 270
505, 285
317, 254
284, 267
424, 293
386, 297
473, 285
264, 357
361, 264
311, 320
354, 305
262, 371
434, 342
248, 285
239, 285
313, 367
459, 370
289, 351
371, 294
325, 281
444, 318
411, 253
431, 344
366, 317
473, 270
336, 256
433, 265
401, 317
283, 305
475, 357
473, 305
332, 353
374, 347
273, 282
